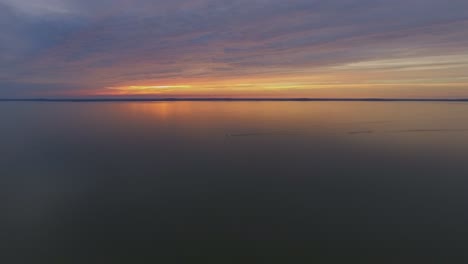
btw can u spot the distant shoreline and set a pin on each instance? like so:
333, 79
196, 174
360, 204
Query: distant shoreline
232, 100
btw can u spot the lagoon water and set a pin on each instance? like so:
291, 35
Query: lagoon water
233, 182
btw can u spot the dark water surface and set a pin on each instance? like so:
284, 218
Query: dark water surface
233, 182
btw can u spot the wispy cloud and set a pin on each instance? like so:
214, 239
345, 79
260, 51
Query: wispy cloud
85, 47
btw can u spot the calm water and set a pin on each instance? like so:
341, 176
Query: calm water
234, 182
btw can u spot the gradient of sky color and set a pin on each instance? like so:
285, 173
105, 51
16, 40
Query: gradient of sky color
239, 48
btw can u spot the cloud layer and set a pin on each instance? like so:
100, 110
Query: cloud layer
238, 48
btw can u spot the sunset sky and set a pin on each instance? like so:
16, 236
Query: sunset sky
235, 48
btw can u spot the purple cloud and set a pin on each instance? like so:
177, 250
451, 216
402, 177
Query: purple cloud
78, 45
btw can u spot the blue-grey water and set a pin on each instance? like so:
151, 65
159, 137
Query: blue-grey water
233, 182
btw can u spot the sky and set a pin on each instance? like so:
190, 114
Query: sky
234, 48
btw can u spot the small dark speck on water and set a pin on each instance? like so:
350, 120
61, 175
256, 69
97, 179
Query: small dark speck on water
371, 122
361, 132
261, 134
428, 130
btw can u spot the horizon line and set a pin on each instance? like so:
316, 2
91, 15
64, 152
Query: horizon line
222, 99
